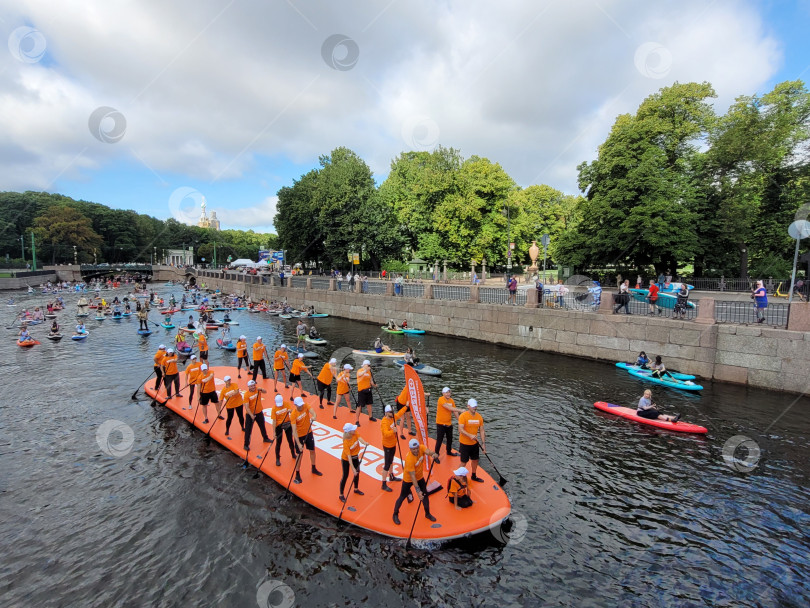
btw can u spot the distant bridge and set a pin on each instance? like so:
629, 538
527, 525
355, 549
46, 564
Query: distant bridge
93, 271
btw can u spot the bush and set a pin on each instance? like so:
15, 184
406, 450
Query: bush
395, 266
771, 265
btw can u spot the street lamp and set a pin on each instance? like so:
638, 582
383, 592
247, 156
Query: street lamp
74, 255
508, 243
154, 255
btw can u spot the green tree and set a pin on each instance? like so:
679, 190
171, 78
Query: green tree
65, 226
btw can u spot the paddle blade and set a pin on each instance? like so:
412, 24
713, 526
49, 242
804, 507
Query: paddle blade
502, 482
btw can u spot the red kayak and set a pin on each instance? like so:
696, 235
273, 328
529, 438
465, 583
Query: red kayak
27, 343
626, 412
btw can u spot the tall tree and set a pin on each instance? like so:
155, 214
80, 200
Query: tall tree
64, 226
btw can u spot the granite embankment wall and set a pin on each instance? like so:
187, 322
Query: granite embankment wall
753, 355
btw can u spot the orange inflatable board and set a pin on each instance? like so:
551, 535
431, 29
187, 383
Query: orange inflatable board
373, 510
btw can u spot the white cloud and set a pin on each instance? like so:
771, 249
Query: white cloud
258, 218
209, 90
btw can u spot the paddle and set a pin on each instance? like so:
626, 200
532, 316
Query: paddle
419, 506
502, 481
272, 441
141, 384
351, 482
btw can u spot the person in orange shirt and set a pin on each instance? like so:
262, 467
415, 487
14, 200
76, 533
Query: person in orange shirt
470, 425
281, 424
254, 411
458, 491
158, 358
259, 350
241, 356
295, 373
192, 376
302, 418
202, 344
280, 359
232, 400
388, 427
364, 396
445, 408
170, 373
350, 459
343, 388
328, 373
208, 390
414, 476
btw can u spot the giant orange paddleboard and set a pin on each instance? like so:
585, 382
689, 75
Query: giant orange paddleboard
372, 511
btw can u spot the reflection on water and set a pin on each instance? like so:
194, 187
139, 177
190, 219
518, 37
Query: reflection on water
606, 511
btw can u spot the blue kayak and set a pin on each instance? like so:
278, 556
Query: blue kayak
676, 375
685, 385
169, 326
420, 368
408, 330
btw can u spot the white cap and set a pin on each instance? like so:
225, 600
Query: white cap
258, 338
169, 351
366, 362
347, 366
243, 337
388, 409
413, 443
472, 403
162, 347
446, 389
193, 357
462, 471
279, 399
349, 427
227, 378
203, 367
300, 355
283, 347
251, 383
333, 361
298, 401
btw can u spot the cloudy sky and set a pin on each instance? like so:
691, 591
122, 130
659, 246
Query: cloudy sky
151, 104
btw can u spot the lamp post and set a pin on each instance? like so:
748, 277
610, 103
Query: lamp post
95, 260
22, 246
508, 244
74, 255
154, 255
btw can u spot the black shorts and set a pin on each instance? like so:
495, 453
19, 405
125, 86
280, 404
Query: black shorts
295, 377
649, 414
308, 440
206, 398
467, 452
321, 386
399, 405
364, 397
204, 355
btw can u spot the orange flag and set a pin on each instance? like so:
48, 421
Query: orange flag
416, 394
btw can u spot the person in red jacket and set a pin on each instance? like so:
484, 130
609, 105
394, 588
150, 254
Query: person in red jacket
652, 298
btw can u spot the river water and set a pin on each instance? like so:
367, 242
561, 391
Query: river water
605, 512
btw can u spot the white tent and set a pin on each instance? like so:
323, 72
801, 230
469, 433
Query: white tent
243, 262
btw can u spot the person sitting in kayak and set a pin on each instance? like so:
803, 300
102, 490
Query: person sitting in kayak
647, 409
404, 324
409, 357
80, 328
643, 360
127, 309
380, 347
391, 325
458, 491
191, 322
314, 333
658, 368
54, 328
24, 335
226, 318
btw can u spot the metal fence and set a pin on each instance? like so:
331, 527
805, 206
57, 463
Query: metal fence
746, 312
500, 295
737, 285
451, 292
300, 282
320, 283
411, 290
376, 287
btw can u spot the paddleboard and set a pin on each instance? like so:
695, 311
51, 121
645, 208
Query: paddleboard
665, 300
391, 331
407, 330
315, 340
318, 315
630, 414
676, 375
78, 336
372, 511
685, 385
374, 353
27, 343
226, 345
144, 332
420, 368
55, 337
303, 351
99, 318
169, 326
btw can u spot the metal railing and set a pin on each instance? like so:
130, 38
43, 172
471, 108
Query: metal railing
746, 312
320, 283
376, 287
451, 292
500, 295
300, 282
411, 290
